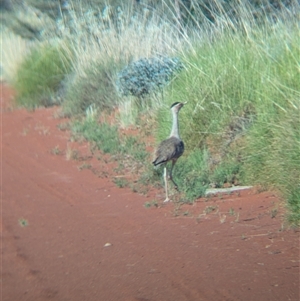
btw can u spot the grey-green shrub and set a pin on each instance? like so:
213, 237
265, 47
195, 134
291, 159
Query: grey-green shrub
147, 76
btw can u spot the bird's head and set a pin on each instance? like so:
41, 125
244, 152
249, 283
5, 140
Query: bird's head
176, 106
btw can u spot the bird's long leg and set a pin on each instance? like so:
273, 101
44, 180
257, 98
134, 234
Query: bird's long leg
166, 184
170, 175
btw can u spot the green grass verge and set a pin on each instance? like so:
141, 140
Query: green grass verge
104, 135
108, 140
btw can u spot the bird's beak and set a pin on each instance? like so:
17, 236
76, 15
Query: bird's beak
184, 103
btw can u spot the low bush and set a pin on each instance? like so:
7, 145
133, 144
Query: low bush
94, 87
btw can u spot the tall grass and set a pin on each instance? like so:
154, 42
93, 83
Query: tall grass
117, 34
273, 155
243, 94
106, 41
13, 49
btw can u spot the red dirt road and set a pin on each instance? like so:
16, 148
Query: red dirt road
57, 219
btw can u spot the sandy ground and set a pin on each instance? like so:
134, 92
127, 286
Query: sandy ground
68, 234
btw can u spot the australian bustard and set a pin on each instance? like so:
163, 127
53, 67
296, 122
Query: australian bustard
170, 149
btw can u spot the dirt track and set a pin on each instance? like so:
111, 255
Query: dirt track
57, 219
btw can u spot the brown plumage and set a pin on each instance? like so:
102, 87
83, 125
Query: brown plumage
171, 148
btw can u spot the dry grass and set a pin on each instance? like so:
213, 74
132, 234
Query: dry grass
13, 49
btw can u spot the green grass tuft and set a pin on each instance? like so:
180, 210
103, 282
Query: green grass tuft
192, 181
134, 148
104, 135
225, 172
293, 204
40, 75
108, 140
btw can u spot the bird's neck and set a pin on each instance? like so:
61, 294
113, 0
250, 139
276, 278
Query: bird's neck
175, 126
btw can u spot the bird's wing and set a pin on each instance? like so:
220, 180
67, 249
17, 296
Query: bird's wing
171, 148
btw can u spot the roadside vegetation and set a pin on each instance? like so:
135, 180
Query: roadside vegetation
39, 77
236, 64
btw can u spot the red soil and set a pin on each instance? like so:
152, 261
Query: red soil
70, 235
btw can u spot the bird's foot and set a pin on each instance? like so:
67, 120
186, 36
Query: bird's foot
175, 185
167, 200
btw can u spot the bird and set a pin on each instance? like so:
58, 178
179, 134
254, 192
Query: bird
171, 148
